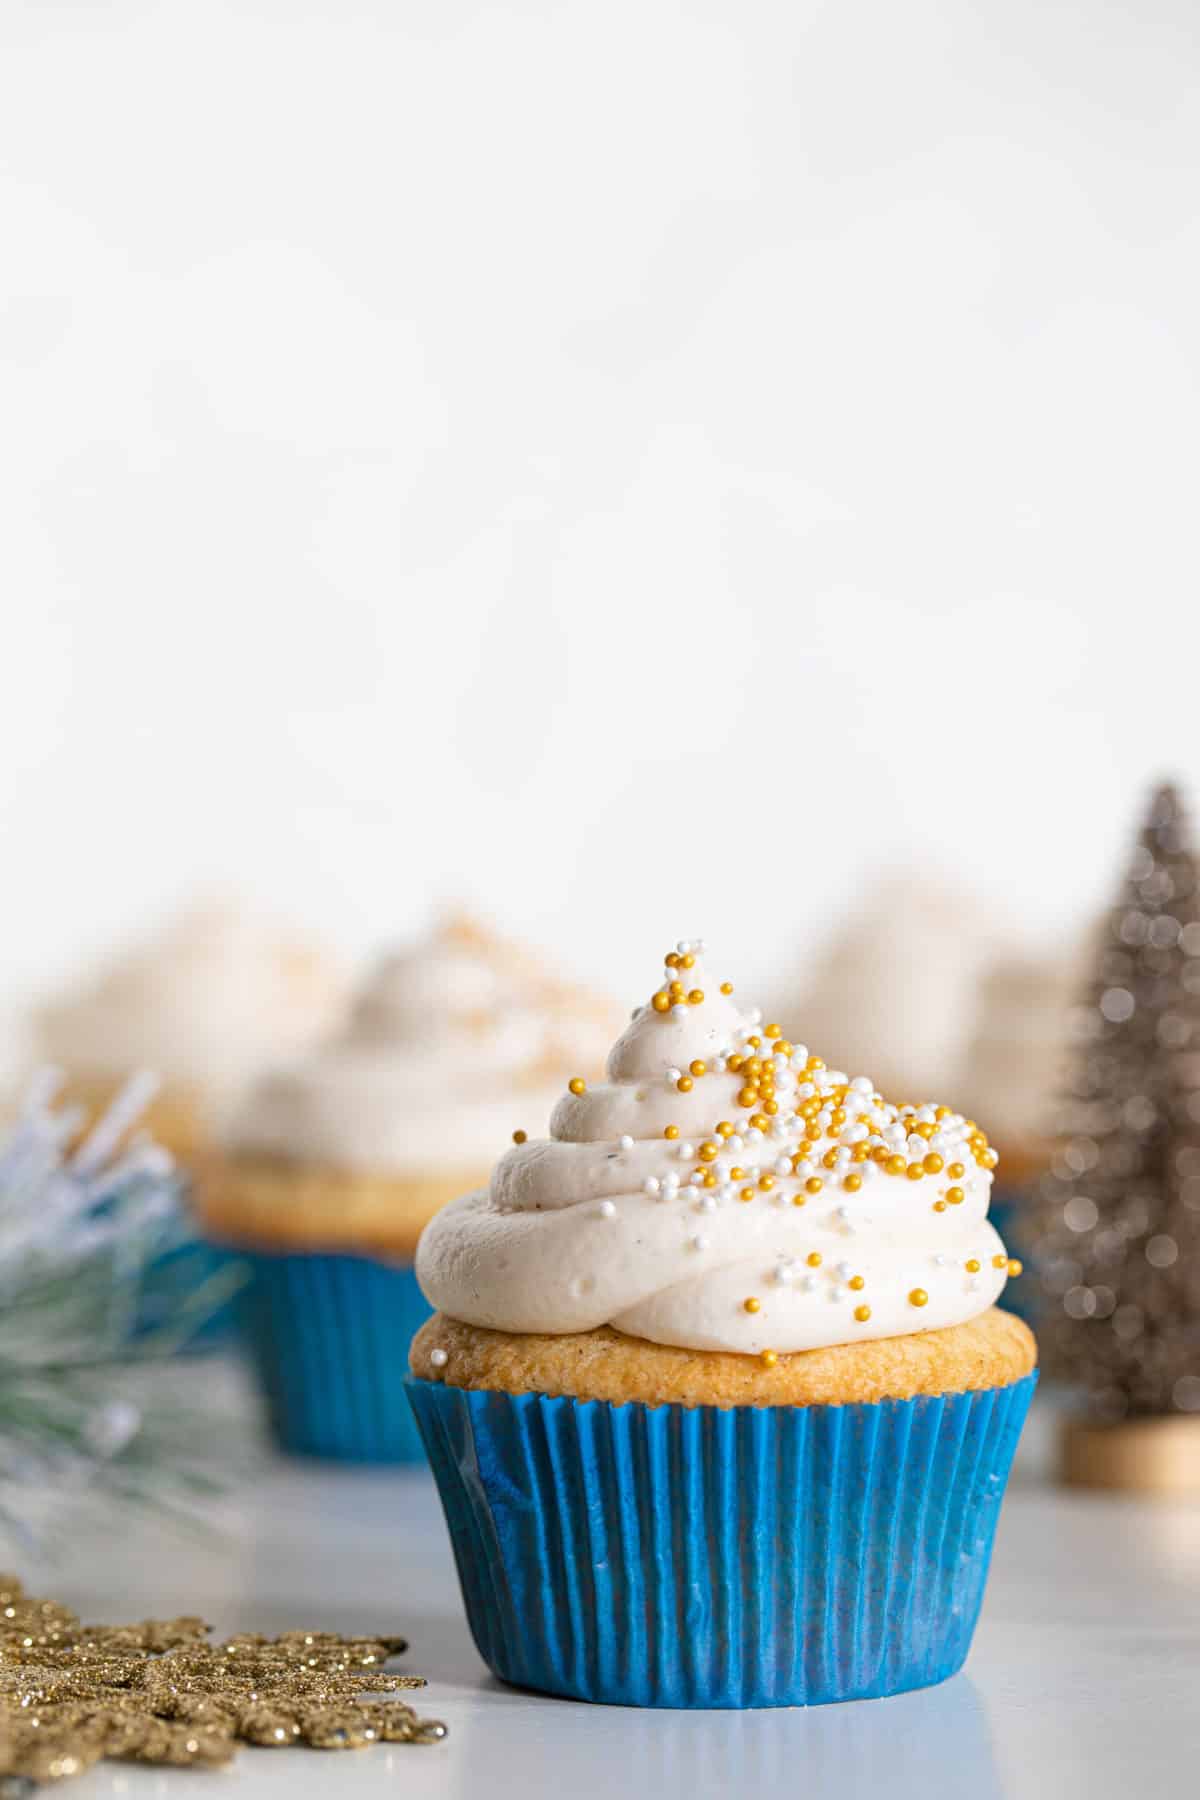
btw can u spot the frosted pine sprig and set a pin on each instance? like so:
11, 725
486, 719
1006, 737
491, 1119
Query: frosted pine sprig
86, 1408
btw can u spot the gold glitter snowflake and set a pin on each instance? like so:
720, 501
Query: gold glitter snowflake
159, 1692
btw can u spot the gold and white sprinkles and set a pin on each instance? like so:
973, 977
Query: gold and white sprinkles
755, 1200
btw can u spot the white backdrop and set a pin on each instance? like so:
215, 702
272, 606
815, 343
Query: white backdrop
643, 465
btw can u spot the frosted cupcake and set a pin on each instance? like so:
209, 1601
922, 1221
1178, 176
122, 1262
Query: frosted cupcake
895, 990
204, 1004
717, 1395
337, 1161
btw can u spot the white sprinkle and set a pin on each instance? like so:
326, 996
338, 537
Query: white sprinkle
754, 1135
652, 1184
755, 1015
673, 1076
439, 1358
783, 1166
706, 1203
809, 1284
734, 1144
843, 1269
698, 946
837, 1293
973, 1285
680, 1011
626, 1142
683, 947
686, 1152
607, 1210
941, 1260
862, 1084
718, 1065
700, 1242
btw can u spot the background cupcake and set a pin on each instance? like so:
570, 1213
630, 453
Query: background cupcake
893, 991
184, 1021
717, 1396
339, 1159
203, 1004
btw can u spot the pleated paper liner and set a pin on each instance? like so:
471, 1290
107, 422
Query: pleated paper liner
707, 1557
330, 1336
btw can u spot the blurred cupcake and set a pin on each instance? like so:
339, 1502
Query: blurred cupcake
717, 1396
204, 1004
894, 991
1015, 1054
338, 1160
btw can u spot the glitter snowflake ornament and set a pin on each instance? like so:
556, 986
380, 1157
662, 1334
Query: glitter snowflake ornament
1117, 1218
159, 1692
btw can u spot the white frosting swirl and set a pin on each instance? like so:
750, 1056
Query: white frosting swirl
737, 1234
448, 1045
206, 1002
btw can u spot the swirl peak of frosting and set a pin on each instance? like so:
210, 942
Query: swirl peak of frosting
723, 1190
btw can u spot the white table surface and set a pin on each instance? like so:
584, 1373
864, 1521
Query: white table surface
1084, 1679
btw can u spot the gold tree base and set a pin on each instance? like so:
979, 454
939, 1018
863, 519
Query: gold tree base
1139, 1456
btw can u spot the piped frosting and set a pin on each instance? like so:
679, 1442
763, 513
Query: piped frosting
204, 1003
447, 1040
724, 1190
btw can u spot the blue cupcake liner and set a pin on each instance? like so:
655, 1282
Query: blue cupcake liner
709, 1557
330, 1336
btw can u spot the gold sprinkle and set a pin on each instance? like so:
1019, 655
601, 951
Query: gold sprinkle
520, 1137
918, 1297
939, 1206
856, 1282
773, 1031
661, 1002
972, 1265
999, 1262
956, 1171
915, 1172
746, 1194
698, 1068
727, 987
696, 997
934, 1163
709, 1152
813, 1259
768, 1358
862, 1314
751, 1305
672, 1132
577, 1084
852, 1183
1015, 1265
685, 1084
814, 1184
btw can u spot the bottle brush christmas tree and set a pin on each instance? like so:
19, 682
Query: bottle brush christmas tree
1117, 1219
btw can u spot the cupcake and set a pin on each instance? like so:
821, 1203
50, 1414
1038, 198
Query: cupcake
204, 1005
337, 1160
717, 1394
894, 991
